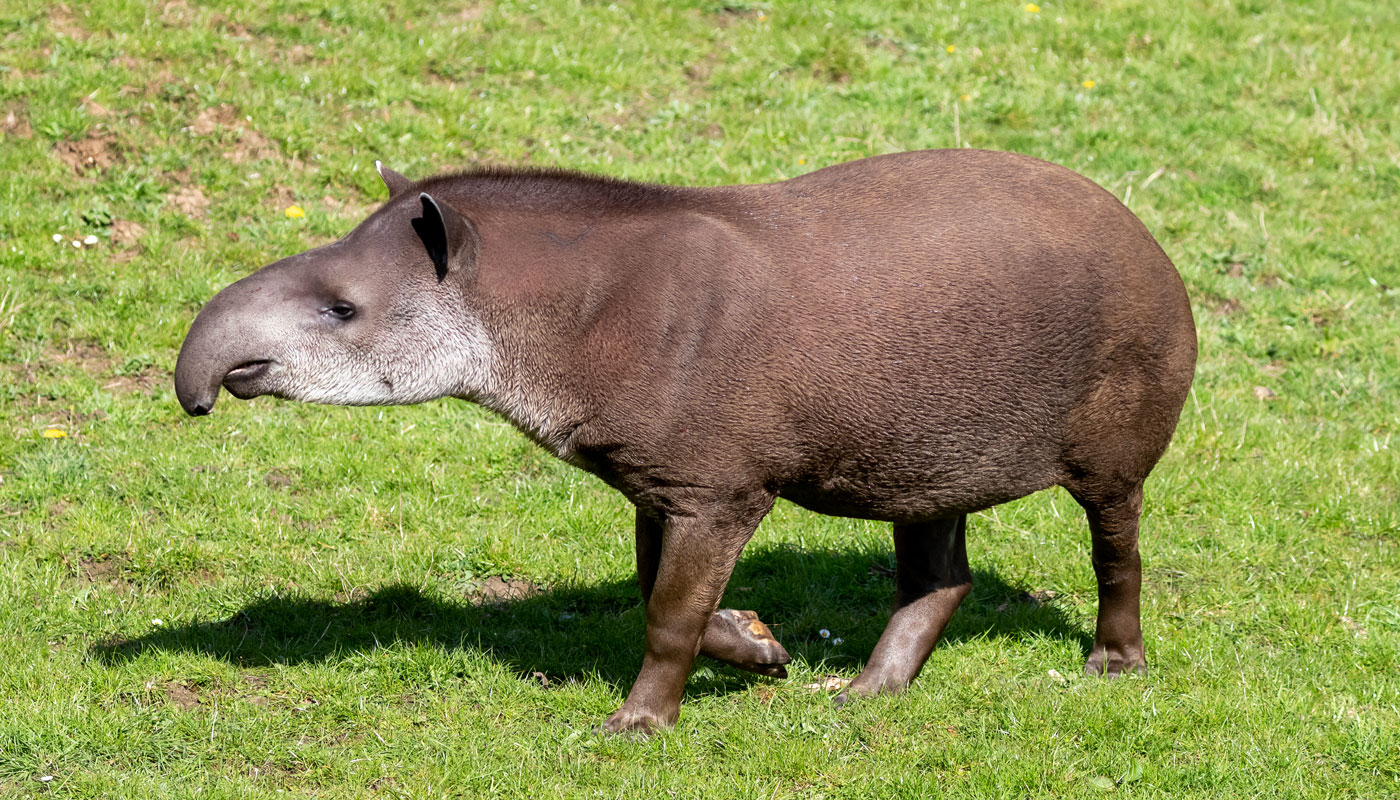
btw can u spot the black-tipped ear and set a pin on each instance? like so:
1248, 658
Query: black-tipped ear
447, 235
397, 183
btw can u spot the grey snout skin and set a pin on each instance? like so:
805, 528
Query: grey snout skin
221, 350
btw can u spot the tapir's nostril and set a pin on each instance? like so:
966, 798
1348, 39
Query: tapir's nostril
200, 410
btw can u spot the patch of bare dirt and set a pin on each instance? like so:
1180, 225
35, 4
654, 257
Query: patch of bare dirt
283, 196
1225, 306
496, 589
12, 124
108, 568
1034, 599
728, 15
87, 356
182, 696
213, 118
95, 363
95, 109
65, 23
278, 479
353, 594
251, 146
233, 29
296, 54
244, 143
144, 381
176, 14
190, 201
94, 152
255, 691
284, 518
126, 233
349, 208
700, 71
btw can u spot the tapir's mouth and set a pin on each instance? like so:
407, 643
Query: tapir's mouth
249, 369
241, 380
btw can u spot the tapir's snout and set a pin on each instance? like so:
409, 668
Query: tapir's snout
223, 349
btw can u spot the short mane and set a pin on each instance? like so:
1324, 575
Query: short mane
548, 188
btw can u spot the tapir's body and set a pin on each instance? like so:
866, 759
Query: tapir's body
906, 338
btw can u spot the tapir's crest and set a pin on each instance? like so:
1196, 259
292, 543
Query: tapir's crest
908, 338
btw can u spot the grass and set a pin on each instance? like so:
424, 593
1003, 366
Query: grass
416, 602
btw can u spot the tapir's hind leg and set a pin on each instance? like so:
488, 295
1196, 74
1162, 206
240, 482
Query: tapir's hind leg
931, 579
1113, 524
737, 638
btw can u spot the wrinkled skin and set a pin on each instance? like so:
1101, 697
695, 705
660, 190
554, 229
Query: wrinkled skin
907, 338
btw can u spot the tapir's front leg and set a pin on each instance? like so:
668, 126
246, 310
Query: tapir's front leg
697, 555
734, 637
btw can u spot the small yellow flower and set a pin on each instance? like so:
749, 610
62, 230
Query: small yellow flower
964, 97
53, 433
950, 48
1032, 8
294, 212
802, 161
1088, 84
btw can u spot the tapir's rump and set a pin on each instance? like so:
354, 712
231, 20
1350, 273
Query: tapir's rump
907, 338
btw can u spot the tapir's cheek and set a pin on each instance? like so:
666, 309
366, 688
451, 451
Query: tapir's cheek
347, 378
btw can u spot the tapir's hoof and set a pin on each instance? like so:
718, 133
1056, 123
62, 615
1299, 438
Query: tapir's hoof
859, 690
1115, 662
740, 639
637, 724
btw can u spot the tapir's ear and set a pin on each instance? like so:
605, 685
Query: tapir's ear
397, 183
448, 236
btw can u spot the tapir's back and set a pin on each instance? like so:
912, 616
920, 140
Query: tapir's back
946, 330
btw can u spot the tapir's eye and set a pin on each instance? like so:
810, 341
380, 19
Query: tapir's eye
341, 310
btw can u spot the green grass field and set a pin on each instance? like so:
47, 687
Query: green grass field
417, 602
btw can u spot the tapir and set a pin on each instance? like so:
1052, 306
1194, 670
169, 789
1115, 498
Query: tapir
909, 338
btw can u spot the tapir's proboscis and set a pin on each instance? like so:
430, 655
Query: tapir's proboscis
908, 338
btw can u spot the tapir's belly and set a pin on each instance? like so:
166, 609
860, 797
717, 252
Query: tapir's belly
915, 487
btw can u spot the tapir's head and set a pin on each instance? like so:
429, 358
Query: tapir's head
382, 316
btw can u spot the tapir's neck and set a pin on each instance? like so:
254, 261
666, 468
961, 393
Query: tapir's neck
543, 283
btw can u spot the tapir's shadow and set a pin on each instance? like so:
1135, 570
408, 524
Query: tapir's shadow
595, 631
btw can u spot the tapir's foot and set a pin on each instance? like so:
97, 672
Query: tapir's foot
868, 686
740, 639
1114, 661
639, 723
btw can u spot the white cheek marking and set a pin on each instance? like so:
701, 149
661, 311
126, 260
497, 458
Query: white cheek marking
413, 360
418, 357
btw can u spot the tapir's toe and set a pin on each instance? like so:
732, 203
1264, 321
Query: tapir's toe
740, 639
1113, 662
635, 723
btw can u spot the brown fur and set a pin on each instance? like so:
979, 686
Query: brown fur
906, 338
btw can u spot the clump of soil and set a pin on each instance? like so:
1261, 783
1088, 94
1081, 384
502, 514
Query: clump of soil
93, 152
12, 124
190, 201
496, 589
